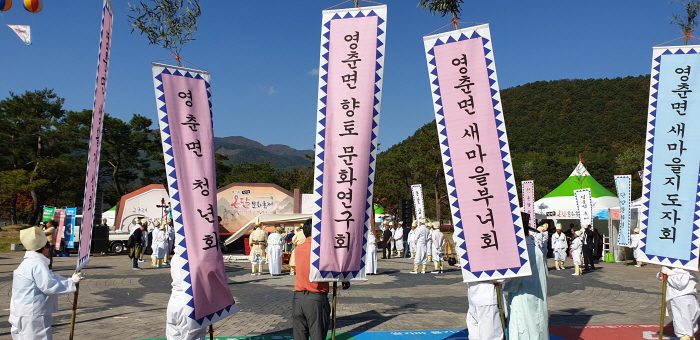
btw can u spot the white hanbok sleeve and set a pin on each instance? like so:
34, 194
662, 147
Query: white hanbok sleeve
51, 283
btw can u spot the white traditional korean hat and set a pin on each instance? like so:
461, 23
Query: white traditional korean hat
415, 223
636, 230
558, 226
579, 233
541, 228
33, 238
400, 222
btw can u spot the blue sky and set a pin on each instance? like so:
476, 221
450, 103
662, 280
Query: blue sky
263, 56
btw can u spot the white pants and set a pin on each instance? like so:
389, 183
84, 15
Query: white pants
484, 323
33, 327
399, 245
421, 256
274, 254
560, 254
176, 323
685, 315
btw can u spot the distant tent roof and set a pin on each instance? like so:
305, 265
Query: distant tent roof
378, 209
561, 203
114, 208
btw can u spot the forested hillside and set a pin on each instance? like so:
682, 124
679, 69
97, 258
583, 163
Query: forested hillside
549, 124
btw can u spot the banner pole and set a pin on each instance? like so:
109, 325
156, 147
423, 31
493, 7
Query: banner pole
663, 305
500, 307
211, 331
335, 303
624, 252
75, 310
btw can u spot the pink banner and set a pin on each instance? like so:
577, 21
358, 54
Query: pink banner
188, 139
93, 163
60, 216
346, 144
476, 158
529, 201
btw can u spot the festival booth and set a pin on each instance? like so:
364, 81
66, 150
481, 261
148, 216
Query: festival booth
635, 207
146, 203
560, 204
269, 222
239, 203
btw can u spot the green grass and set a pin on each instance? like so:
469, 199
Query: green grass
10, 235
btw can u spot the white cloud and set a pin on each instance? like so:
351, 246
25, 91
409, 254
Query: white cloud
271, 91
314, 72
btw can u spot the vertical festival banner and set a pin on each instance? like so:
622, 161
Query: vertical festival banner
584, 204
70, 227
349, 97
93, 162
488, 234
623, 184
60, 218
670, 192
48, 213
529, 201
418, 205
183, 97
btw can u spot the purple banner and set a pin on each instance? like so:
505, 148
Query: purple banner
93, 163
346, 142
188, 144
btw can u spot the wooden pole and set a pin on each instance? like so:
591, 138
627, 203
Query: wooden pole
624, 252
357, 4
454, 20
75, 310
211, 332
500, 307
333, 309
663, 305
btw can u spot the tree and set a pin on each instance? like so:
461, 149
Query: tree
688, 21
167, 23
13, 183
251, 173
443, 7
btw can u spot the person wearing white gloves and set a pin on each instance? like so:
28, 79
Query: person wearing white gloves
559, 246
483, 319
35, 289
680, 295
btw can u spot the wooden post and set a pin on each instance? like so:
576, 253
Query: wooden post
335, 304
663, 305
500, 307
75, 310
211, 332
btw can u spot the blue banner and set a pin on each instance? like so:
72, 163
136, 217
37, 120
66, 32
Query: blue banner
623, 184
672, 159
70, 229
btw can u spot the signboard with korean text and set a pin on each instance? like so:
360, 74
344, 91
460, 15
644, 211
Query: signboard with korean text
70, 229
623, 184
239, 203
48, 214
584, 205
488, 235
670, 227
418, 205
529, 201
93, 162
185, 117
349, 97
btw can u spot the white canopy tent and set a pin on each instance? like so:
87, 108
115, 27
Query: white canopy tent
268, 219
635, 207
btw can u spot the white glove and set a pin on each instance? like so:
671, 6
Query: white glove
76, 277
666, 270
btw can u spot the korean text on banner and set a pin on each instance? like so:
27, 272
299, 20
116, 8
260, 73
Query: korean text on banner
584, 204
60, 217
93, 163
70, 227
184, 112
529, 201
350, 83
670, 192
623, 184
48, 214
488, 235
418, 205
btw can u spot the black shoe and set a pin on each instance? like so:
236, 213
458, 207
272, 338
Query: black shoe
383, 258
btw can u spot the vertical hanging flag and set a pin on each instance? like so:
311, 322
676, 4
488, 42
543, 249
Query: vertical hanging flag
529, 201
70, 227
60, 218
623, 184
488, 235
584, 204
183, 97
418, 205
93, 162
48, 213
24, 32
670, 192
350, 83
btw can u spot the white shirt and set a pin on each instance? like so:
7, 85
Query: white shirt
35, 288
398, 234
421, 235
559, 241
274, 239
681, 282
438, 239
412, 236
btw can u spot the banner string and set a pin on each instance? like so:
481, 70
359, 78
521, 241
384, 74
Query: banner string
452, 22
378, 3
187, 61
686, 35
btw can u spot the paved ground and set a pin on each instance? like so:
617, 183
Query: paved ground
119, 303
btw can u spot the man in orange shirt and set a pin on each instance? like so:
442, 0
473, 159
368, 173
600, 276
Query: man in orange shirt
311, 311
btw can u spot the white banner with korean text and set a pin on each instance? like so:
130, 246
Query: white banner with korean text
584, 205
529, 201
623, 184
418, 205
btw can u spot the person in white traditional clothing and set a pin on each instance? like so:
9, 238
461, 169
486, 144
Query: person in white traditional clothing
412, 239
542, 239
421, 240
577, 252
527, 299
176, 325
371, 256
429, 241
160, 244
680, 295
258, 244
636, 245
398, 240
392, 248
298, 239
170, 232
483, 319
559, 246
274, 251
35, 289
438, 241
144, 238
